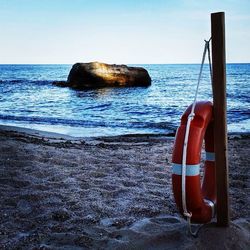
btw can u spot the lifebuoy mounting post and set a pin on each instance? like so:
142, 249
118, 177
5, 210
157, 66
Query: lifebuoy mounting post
220, 122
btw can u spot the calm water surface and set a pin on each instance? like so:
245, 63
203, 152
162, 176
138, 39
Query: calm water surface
28, 99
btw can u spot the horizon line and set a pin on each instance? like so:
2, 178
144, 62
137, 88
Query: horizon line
119, 63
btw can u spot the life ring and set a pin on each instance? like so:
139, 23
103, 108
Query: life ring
200, 198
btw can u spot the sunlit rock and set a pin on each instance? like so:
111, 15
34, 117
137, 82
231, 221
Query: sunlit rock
97, 75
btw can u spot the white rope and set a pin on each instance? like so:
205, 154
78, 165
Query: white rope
209, 60
191, 116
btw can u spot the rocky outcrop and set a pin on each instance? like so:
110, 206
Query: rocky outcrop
97, 75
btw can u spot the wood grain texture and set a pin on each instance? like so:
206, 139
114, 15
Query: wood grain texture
220, 116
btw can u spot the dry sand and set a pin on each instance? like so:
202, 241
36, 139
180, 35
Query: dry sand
60, 192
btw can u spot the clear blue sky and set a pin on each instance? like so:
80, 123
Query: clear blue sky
114, 31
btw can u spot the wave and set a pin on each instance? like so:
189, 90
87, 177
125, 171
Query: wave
154, 125
163, 126
51, 120
99, 107
236, 115
25, 81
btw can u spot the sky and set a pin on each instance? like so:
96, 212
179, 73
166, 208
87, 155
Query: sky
114, 31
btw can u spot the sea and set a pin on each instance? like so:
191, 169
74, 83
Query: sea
29, 99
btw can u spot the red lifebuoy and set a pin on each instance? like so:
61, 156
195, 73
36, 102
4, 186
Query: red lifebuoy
200, 198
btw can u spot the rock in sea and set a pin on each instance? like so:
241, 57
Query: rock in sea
98, 75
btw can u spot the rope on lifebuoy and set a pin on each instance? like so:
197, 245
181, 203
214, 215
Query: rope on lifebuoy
191, 116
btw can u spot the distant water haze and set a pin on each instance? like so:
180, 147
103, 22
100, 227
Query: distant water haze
28, 99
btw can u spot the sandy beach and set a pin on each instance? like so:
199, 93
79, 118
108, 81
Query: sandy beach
61, 192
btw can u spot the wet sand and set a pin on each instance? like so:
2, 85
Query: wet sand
60, 192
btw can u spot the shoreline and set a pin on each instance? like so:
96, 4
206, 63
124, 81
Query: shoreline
106, 193
54, 135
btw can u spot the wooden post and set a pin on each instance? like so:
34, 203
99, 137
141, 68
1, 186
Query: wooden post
220, 117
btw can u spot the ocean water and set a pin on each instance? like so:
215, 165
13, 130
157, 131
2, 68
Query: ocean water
28, 99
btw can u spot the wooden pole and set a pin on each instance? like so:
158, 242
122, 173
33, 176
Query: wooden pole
220, 118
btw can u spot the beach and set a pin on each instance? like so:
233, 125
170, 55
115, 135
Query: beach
62, 192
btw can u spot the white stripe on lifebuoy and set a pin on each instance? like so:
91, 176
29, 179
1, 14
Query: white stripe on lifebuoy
192, 170
210, 156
